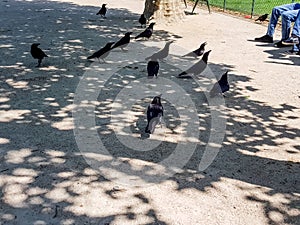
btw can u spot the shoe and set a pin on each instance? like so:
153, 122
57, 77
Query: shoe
291, 52
291, 41
279, 44
266, 39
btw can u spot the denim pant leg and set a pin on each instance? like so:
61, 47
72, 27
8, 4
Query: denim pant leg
276, 13
295, 48
287, 18
296, 28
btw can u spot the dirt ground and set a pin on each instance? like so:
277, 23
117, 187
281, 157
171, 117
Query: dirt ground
48, 125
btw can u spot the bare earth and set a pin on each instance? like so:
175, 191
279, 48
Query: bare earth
45, 180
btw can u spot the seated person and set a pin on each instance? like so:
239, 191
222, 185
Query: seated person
295, 37
288, 15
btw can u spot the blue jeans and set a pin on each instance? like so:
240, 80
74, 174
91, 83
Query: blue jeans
288, 14
296, 32
296, 27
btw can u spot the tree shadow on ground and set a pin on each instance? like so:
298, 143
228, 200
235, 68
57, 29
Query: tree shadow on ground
43, 177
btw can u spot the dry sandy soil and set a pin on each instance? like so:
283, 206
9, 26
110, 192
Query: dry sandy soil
44, 178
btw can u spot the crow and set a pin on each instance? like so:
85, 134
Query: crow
221, 86
146, 33
142, 20
102, 11
262, 18
152, 68
198, 52
37, 53
155, 112
163, 53
123, 42
199, 67
103, 52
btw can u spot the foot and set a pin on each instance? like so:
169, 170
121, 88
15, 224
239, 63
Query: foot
266, 39
279, 44
291, 41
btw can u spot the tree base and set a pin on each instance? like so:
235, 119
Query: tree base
164, 11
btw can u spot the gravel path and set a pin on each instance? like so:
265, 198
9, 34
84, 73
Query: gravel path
53, 169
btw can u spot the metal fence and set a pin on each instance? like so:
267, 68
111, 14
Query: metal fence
251, 7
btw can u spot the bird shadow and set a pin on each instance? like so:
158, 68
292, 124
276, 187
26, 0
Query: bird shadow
185, 77
188, 13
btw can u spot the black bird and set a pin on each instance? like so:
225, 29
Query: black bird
102, 11
142, 20
37, 53
152, 68
123, 42
199, 67
221, 86
103, 52
262, 18
146, 33
198, 52
155, 112
163, 53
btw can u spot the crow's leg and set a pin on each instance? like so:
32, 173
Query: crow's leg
39, 62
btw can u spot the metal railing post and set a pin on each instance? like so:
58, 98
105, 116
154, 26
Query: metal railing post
252, 8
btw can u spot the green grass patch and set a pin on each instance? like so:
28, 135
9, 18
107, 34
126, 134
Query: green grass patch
245, 6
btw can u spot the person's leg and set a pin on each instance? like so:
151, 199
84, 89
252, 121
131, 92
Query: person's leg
276, 13
295, 48
296, 31
287, 18
294, 39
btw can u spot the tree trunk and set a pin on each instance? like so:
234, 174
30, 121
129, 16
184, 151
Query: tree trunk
164, 10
